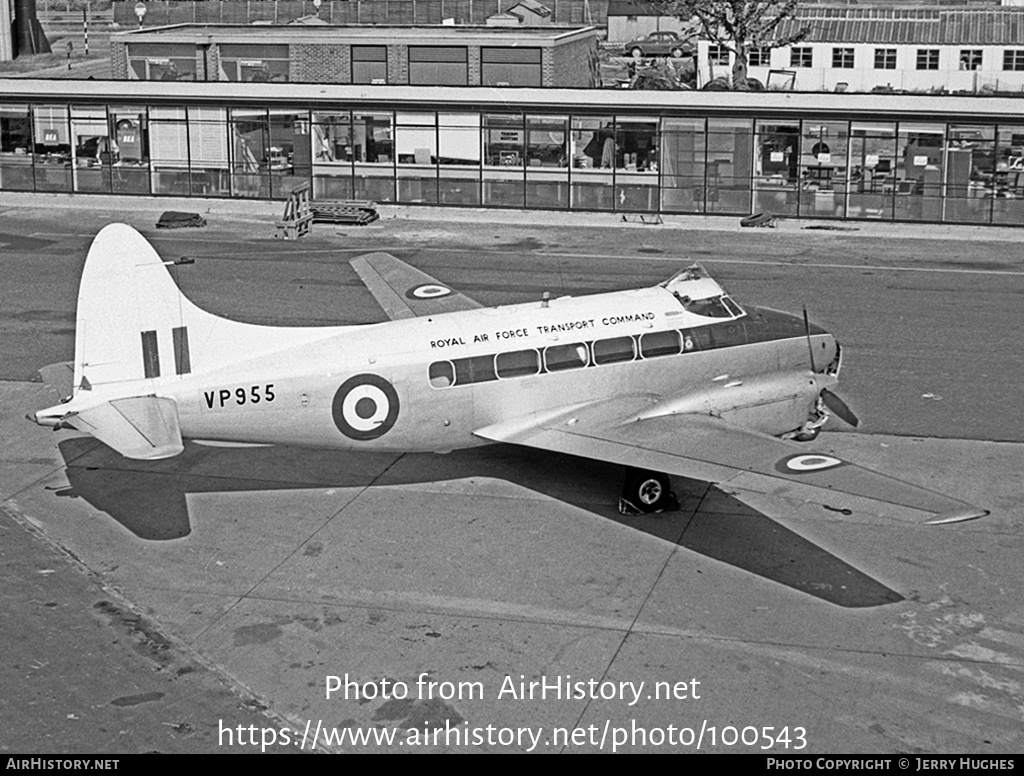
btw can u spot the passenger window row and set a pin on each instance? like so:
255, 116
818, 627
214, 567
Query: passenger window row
577, 355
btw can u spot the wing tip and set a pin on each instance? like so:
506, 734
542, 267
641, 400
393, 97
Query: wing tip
958, 516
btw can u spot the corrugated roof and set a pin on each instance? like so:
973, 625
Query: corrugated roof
924, 26
634, 8
936, 26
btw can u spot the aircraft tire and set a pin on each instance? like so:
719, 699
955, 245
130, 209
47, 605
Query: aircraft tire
648, 491
807, 436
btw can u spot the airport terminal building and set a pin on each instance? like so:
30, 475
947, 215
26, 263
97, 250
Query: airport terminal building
939, 159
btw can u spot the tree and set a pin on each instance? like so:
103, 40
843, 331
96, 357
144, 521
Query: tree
740, 25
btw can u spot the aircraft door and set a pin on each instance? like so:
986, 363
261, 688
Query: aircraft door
445, 405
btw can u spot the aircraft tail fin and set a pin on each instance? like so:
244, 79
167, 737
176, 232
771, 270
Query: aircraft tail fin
133, 322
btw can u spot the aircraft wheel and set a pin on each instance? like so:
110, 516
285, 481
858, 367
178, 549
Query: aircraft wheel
648, 491
807, 436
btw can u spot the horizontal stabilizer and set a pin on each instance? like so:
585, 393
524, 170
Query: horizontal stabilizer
141, 427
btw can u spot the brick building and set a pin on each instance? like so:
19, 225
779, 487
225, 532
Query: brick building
440, 55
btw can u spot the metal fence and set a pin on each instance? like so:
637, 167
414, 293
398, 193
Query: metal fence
390, 12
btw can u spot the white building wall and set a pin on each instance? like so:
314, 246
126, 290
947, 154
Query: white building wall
863, 77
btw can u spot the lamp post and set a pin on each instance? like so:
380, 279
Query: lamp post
140, 11
316, 5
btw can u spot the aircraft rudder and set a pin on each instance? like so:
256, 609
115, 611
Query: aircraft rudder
132, 317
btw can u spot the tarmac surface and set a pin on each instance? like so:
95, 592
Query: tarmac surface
152, 606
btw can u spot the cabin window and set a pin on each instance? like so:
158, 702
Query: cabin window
442, 374
756, 327
478, 369
559, 357
660, 343
518, 363
725, 335
721, 335
611, 351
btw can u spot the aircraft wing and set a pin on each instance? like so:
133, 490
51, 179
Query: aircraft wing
705, 447
404, 291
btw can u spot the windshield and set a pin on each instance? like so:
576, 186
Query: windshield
712, 307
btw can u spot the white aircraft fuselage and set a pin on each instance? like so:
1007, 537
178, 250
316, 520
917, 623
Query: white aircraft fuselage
425, 384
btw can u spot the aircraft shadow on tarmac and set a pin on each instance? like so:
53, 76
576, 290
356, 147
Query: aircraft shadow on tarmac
148, 499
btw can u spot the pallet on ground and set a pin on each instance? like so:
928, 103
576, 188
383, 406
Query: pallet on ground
359, 212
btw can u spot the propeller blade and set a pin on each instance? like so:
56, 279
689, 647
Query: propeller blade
807, 333
839, 407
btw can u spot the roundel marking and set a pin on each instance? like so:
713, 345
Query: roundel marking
804, 463
365, 407
427, 291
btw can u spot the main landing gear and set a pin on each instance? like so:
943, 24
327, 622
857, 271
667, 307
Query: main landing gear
646, 492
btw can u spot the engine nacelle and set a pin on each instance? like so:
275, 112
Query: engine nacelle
775, 403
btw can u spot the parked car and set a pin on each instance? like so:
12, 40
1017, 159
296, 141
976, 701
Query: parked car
656, 44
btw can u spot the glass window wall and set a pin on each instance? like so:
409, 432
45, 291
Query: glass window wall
250, 153
824, 150
547, 161
777, 167
594, 153
373, 154
416, 151
52, 151
504, 155
168, 134
290, 153
129, 132
458, 143
16, 145
729, 165
971, 180
636, 164
683, 165
1008, 200
872, 170
208, 144
332, 152
967, 172
919, 172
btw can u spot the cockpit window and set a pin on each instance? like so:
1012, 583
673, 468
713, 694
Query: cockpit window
713, 307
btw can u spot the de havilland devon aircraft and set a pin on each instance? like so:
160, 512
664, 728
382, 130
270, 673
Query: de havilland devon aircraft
677, 379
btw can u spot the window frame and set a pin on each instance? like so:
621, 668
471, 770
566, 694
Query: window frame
843, 58
1013, 59
885, 59
927, 59
801, 56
